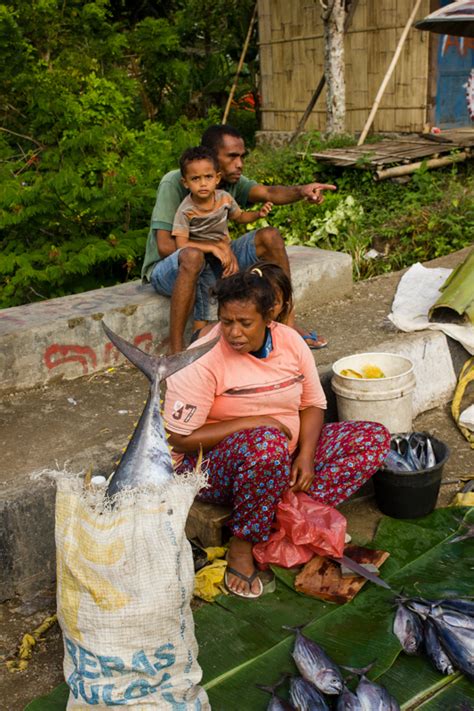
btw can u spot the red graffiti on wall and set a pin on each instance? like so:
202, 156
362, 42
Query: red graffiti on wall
57, 354
144, 341
111, 354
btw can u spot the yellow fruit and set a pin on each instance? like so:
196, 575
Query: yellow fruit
349, 373
372, 371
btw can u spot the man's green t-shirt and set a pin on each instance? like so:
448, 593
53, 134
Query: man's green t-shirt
171, 192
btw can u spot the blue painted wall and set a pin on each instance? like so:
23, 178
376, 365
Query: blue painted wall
455, 61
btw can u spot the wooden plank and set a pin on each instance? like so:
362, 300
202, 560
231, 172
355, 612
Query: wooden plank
205, 522
322, 578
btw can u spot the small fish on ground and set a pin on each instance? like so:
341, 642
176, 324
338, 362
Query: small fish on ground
276, 703
305, 696
435, 650
408, 628
375, 697
463, 536
452, 621
314, 664
458, 643
458, 604
348, 701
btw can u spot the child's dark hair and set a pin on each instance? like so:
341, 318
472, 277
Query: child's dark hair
281, 282
246, 286
197, 153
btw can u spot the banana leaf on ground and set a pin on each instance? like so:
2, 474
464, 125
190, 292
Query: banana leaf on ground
456, 301
242, 642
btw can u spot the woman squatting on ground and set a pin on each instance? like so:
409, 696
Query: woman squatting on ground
256, 406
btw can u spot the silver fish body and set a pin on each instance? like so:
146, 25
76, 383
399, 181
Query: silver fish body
466, 607
454, 618
147, 458
421, 607
408, 628
315, 666
348, 701
458, 642
430, 455
434, 649
305, 697
277, 704
374, 697
467, 532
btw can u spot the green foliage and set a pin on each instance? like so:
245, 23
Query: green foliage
98, 98
97, 101
430, 216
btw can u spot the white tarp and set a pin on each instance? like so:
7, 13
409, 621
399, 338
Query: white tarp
418, 290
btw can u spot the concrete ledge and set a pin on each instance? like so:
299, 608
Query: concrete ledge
63, 338
27, 549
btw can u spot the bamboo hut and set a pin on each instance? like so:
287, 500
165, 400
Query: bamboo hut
427, 86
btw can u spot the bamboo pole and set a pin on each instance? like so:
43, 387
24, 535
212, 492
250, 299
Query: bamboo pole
389, 73
322, 81
241, 63
399, 170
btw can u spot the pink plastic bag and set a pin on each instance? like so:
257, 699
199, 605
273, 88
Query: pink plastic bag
302, 528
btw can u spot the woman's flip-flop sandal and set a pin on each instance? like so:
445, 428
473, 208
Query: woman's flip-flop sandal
313, 336
248, 579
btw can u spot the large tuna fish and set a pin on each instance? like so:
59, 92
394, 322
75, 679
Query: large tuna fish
147, 458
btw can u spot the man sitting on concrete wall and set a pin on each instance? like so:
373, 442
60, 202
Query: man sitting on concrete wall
175, 272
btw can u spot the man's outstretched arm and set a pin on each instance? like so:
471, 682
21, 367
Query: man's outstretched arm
285, 194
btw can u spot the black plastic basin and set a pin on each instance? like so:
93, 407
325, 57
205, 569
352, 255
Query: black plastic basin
411, 494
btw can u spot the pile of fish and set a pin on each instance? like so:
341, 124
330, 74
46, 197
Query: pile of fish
442, 629
321, 680
410, 452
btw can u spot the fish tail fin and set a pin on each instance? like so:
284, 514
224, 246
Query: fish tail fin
152, 366
171, 364
143, 361
268, 689
295, 629
271, 689
359, 671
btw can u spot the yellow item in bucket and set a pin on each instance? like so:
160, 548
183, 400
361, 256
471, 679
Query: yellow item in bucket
372, 371
349, 373
368, 371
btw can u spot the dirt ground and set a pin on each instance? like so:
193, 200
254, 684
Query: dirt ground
89, 420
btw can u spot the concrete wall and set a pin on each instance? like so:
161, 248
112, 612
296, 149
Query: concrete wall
63, 338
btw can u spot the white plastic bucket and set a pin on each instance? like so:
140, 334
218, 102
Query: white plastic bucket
387, 400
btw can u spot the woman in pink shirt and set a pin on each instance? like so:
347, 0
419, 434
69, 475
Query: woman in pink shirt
255, 405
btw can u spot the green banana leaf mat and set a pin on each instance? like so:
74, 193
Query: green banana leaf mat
242, 642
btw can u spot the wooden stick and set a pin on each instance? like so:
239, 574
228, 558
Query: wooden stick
322, 82
433, 163
389, 73
241, 63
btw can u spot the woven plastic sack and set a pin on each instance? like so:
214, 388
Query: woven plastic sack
302, 528
125, 581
